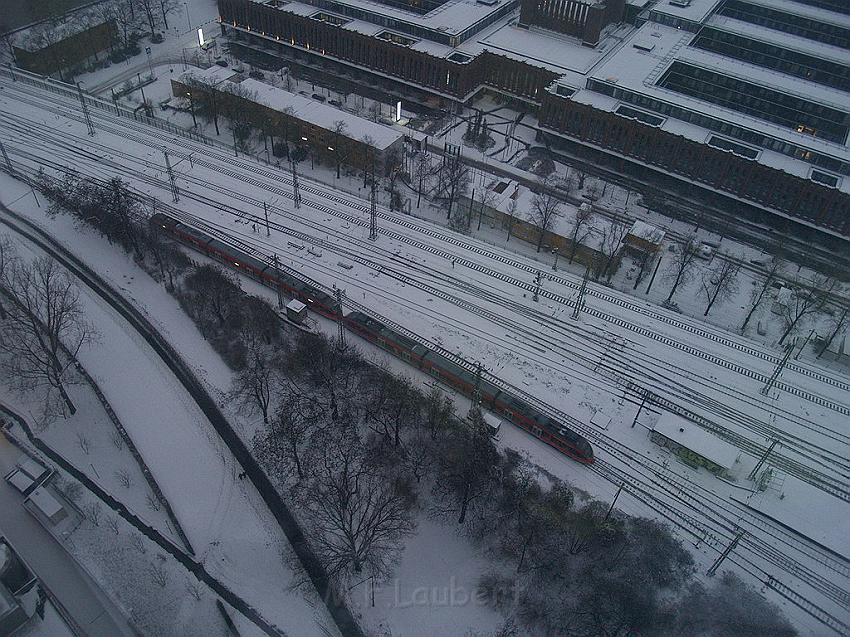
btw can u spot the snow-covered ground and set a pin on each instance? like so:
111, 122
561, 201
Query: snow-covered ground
476, 299
233, 534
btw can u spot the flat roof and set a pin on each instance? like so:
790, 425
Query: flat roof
638, 70
452, 18
296, 306
696, 11
20, 480
33, 468
305, 108
691, 436
45, 502
780, 38
804, 10
643, 230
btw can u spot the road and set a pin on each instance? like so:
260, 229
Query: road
84, 601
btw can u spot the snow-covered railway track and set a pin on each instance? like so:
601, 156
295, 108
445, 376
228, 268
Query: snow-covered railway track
756, 449
225, 164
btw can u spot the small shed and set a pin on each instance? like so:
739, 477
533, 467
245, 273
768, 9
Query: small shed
296, 311
27, 475
693, 444
47, 505
644, 238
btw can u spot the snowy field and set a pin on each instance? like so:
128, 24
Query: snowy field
475, 299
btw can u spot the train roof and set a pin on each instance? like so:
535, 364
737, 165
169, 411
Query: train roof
452, 367
197, 234
163, 219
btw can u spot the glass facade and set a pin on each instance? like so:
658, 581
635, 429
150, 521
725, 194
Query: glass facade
787, 22
752, 137
774, 57
758, 101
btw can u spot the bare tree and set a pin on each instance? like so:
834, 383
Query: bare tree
194, 588
123, 477
581, 228
770, 274
612, 239
204, 97
112, 524
83, 443
152, 501
681, 269
809, 297
138, 543
454, 181
92, 512
720, 282
44, 329
545, 209
421, 174
339, 129
358, 515
252, 386
466, 469
166, 7
149, 10
119, 12
281, 446
159, 575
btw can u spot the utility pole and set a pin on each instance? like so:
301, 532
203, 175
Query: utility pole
537, 278
277, 287
476, 394
762, 460
296, 193
652, 279
266, 213
614, 501
557, 254
779, 367
724, 554
832, 336
582, 289
803, 346
340, 343
373, 216
175, 194
6, 159
640, 408
85, 107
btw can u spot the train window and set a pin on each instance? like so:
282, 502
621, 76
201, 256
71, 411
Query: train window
537, 431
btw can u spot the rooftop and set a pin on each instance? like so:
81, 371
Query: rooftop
452, 17
692, 437
692, 10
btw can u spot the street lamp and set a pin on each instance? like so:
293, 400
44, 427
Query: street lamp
188, 20
192, 108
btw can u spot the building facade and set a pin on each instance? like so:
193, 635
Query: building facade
746, 99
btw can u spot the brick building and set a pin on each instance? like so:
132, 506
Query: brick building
49, 49
584, 19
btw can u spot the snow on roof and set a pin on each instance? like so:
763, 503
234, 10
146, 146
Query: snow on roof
648, 233
33, 468
213, 75
452, 17
323, 115
20, 480
807, 11
691, 436
296, 306
45, 502
694, 11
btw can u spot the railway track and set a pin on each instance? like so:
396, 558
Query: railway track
613, 472
755, 449
446, 237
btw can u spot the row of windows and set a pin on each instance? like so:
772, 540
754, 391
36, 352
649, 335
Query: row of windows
774, 57
787, 23
756, 100
839, 6
725, 128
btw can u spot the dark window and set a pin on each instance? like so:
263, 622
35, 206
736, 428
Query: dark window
734, 148
827, 180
